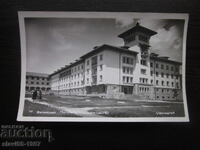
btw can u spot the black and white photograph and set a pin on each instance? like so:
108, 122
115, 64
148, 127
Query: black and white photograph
103, 67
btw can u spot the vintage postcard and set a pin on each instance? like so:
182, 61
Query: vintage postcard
103, 67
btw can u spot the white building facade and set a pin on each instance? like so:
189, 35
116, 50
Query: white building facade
117, 71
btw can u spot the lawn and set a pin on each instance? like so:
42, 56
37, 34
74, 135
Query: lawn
142, 111
102, 107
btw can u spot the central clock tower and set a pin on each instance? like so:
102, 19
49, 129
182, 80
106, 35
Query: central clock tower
137, 39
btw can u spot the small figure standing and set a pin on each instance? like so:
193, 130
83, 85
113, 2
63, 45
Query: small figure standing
34, 95
40, 94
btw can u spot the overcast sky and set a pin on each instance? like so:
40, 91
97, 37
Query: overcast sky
55, 42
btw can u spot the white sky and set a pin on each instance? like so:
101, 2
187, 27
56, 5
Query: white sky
55, 42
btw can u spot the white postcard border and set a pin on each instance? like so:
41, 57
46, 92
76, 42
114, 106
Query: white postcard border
45, 14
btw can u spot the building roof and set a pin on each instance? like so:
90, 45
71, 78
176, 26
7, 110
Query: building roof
37, 74
96, 50
110, 47
156, 57
137, 28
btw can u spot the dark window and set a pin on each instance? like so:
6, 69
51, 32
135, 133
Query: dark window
151, 73
177, 85
162, 74
127, 79
94, 60
151, 64
156, 74
143, 38
88, 62
101, 67
131, 79
157, 66
143, 71
143, 62
101, 78
124, 69
124, 59
101, 57
124, 79
176, 69
167, 67
131, 61
162, 66
151, 81
172, 68
157, 82
128, 60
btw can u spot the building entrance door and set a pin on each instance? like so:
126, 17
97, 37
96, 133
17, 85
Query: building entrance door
127, 89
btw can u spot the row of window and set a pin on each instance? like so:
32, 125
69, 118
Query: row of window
94, 69
37, 78
33, 88
127, 70
167, 83
100, 58
72, 90
163, 97
73, 76
127, 79
72, 84
163, 90
95, 79
42, 83
162, 66
80, 83
144, 89
144, 80
77, 68
167, 75
128, 60
143, 62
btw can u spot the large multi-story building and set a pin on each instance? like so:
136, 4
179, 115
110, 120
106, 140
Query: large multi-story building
37, 81
127, 70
